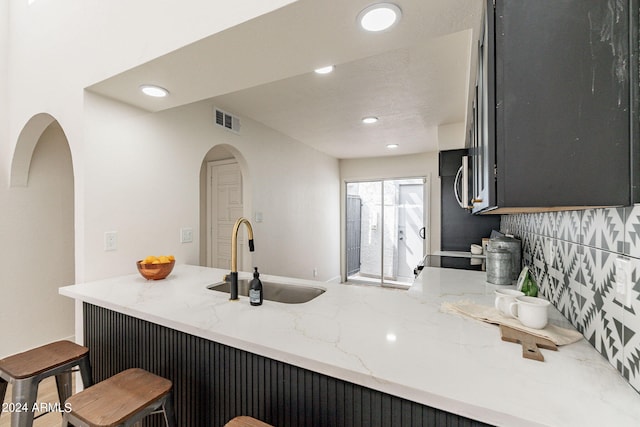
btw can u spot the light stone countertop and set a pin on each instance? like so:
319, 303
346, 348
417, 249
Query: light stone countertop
395, 341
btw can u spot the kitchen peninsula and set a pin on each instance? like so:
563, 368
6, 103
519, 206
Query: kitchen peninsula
391, 354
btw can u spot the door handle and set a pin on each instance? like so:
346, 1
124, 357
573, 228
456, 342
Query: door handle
423, 232
462, 179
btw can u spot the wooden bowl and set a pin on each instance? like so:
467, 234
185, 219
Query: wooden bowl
155, 271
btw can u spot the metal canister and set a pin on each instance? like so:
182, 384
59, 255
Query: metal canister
514, 246
499, 266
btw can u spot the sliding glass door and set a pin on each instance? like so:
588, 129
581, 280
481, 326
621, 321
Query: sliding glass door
385, 232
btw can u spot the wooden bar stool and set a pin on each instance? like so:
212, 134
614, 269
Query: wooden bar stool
121, 400
26, 370
244, 421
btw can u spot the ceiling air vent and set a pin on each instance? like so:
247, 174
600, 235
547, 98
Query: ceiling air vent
227, 121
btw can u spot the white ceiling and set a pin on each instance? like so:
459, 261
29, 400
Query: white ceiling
415, 77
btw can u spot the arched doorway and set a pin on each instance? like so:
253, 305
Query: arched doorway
225, 194
38, 247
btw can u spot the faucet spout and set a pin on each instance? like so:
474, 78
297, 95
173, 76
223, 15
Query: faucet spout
234, 254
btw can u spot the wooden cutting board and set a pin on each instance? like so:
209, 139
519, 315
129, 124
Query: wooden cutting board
531, 344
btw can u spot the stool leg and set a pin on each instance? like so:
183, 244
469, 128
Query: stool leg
169, 411
63, 382
24, 393
3, 391
66, 422
85, 372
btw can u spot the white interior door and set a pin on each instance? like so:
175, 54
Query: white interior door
224, 207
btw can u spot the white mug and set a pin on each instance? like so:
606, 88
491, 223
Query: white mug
530, 311
504, 298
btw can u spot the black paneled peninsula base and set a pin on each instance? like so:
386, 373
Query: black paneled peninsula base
214, 383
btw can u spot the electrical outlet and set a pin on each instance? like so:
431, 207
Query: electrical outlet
623, 282
315, 272
186, 235
110, 241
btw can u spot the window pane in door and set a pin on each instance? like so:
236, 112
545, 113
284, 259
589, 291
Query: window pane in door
370, 229
409, 222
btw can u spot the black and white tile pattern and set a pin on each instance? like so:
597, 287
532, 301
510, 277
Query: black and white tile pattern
604, 229
568, 226
632, 232
601, 314
631, 324
572, 255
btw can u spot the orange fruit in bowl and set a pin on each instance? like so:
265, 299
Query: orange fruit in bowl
149, 260
156, 268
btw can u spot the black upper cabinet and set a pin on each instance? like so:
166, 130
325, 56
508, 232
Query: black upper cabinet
556, 108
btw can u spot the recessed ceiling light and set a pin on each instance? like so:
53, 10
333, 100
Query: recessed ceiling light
155, 91
392, 146
369, 120
324, 70
379, 16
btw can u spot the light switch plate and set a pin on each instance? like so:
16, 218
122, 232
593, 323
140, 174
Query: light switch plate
110, 241
186, 235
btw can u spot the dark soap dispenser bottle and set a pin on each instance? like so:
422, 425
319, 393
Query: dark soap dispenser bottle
255, 289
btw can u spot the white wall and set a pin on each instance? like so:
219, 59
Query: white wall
145, 184
416, 165
59, 48
4, 101
37, 249
49, 52
451, 136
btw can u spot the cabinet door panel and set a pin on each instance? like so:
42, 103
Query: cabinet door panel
562, 102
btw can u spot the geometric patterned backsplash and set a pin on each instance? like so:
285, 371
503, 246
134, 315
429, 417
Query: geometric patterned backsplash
572, 255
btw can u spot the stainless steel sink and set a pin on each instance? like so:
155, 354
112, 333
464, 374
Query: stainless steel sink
279, 292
